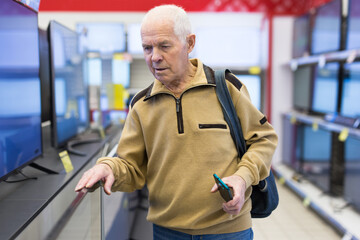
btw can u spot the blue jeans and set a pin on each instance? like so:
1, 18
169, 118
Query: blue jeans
161, 233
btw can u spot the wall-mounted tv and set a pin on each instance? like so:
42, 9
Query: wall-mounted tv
326, 30
350, 96
314, 151
325, 88
301, 36
302, 88
20, 99
353, 31
103, 37
70, 109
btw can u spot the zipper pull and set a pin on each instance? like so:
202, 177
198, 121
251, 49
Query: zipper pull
177, 105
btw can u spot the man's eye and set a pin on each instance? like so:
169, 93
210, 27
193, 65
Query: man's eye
147, 48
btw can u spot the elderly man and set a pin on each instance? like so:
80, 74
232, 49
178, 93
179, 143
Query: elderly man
175, 137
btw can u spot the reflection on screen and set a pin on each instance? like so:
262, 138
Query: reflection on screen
121, 72
326, 89
68, 83
326, 30
350, 106
253, 85
353, 38
102, 37
20, 104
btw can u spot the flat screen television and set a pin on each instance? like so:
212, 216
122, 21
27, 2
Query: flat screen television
350, 96
301, 36
253, 85
121, 72
353, 31
314, 152
352, 171
69, 90
134, 43
302, 88
325, 89
326, 30
103, 37
20, 99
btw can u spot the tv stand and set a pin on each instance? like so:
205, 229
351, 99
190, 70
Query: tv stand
41, 168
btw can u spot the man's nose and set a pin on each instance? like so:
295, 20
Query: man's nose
156, 55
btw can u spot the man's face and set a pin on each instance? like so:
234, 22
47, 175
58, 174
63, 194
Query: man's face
165, 55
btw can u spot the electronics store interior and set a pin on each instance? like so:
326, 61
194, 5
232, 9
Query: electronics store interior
68, 72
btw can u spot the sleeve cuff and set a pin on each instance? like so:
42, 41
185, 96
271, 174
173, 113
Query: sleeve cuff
245, 174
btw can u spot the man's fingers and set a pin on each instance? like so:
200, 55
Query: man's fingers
108, 183
214, 188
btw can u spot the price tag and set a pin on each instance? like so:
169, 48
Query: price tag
102, 132
306, 202
293, 120
282, 180
315, 126
343, 135
255, 70
66, 161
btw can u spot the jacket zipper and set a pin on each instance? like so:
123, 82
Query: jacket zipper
180, 122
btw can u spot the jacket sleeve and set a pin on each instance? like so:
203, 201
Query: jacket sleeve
260, 137
129, 164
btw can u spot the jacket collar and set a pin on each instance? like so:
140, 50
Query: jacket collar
199, 80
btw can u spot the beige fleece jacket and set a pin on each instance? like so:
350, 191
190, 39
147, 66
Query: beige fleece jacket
175, 145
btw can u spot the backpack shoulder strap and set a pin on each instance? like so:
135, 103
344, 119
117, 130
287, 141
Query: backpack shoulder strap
229, 111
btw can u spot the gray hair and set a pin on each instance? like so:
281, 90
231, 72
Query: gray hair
176, 14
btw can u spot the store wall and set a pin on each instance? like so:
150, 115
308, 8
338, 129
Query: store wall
281, 76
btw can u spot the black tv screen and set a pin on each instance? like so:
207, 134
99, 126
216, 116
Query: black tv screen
353, 33
325, 89
70, 109
315, 150
326, 30
302, 88
350, 96
20, 104
301, 36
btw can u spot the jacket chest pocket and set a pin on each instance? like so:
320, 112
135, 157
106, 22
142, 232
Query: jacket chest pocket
209, 126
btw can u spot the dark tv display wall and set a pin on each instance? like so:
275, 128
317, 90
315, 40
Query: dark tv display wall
353, 36
301, 36
326, 30
20, 104
70, 108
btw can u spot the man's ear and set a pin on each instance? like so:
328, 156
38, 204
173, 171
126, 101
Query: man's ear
190, 41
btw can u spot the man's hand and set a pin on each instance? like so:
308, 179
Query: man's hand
238, 185
99, 172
